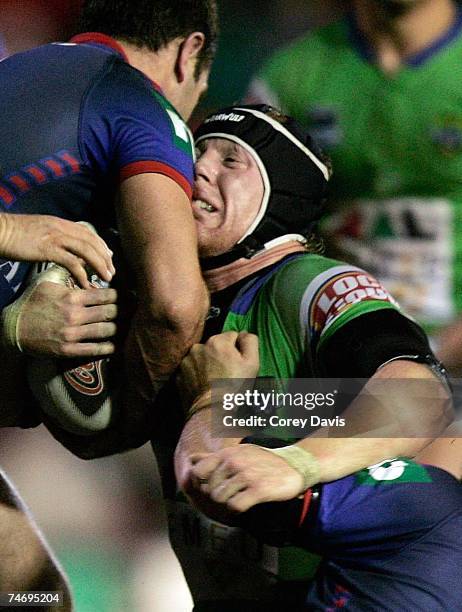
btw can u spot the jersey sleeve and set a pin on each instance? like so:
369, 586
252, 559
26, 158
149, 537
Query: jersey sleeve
337, 296
323, 295
352, 325
128, 128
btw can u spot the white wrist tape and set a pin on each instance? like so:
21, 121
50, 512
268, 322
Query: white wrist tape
10, 316
12, 313
300, 460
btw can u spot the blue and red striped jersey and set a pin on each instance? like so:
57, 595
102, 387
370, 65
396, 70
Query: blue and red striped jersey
77, 120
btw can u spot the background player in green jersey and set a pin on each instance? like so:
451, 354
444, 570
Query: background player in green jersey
313, 317
379, 90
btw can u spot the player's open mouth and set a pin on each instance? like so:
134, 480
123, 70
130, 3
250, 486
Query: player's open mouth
205, 206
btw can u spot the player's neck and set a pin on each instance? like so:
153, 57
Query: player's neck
158, 66
394, 39
220, 278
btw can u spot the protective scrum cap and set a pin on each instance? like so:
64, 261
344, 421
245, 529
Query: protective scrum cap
294, 175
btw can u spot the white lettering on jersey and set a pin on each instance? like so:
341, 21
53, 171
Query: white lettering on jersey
179, 126
333, 292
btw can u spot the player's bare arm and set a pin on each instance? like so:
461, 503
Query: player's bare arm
204, 363
30, 565
241, 476
448, 346
446, 451
160, 242
373, 415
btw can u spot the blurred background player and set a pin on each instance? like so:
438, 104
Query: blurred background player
313, 317
377, 89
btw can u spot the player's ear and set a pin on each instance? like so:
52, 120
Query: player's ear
188, 52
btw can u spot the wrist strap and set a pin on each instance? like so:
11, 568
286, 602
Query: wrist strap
300, 460
11, 314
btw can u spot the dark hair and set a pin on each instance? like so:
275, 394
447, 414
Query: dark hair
154, 23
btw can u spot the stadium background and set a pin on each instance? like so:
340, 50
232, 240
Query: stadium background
105, 519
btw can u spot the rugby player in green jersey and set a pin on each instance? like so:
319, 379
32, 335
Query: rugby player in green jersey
379, 90
259, 191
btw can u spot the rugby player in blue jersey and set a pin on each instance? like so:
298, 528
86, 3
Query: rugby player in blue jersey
93, 129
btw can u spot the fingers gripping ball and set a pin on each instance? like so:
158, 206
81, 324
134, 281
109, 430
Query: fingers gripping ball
78, 395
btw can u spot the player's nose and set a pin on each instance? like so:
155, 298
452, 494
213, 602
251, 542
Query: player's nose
206, 169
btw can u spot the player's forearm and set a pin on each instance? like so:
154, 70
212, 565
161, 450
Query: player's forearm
446, 451
399, 412
5, 231
448, 347
159, 339
340, 457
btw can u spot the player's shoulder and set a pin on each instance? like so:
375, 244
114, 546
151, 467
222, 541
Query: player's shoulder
311, 267
296, 70
288, 283
130, 88
71, 65
126, 96
323, 289
67, 55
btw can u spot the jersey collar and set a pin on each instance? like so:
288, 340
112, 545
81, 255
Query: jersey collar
100, 40
97, 39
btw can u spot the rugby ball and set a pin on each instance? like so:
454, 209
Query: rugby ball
77, 395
